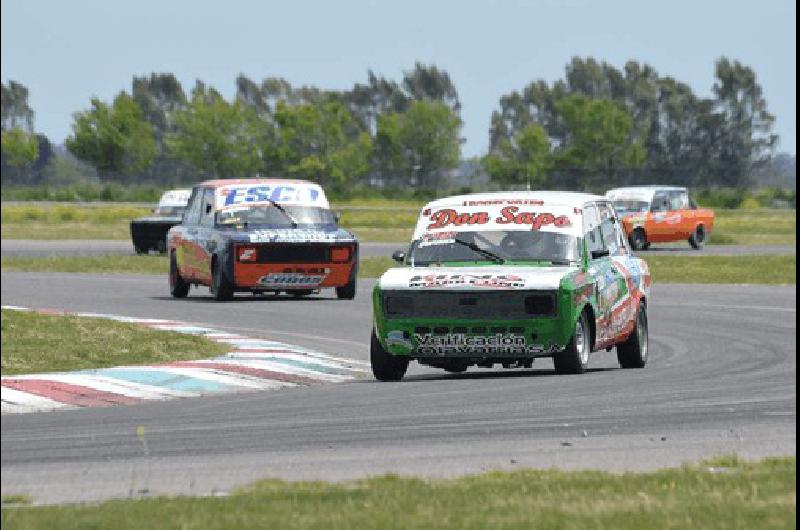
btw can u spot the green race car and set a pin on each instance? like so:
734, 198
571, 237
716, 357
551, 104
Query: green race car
503, 278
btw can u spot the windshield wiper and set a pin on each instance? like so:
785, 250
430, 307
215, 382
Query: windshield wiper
472, 246
284, 212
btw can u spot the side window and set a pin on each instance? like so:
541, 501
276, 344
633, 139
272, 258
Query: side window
192, 215
608, 229
660, 202
207, 209
678, 200
592, 229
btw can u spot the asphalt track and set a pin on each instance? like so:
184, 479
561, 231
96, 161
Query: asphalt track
721, 379
77, 247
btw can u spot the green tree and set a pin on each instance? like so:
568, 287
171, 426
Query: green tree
14, 109
319, 142
19, 150
747, 138
114, 139
217, 138
598, 141
416, 147
523, 161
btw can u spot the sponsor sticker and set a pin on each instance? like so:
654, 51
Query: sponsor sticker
461, 344
228, 196
291, 279
496, 281
294, 234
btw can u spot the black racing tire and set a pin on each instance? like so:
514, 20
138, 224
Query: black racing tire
161, 247
348, 291
385, 366
178, 287
633, 352
221, 289
638, 239
698, 237
575, 357
140, 249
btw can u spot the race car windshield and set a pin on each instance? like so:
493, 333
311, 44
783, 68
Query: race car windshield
630, 206
269, 215
495, 245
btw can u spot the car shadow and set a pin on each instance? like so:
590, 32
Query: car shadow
243, 299
495, 374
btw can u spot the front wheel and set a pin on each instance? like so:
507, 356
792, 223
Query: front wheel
633, 352
575, 358
178, 287
385, 366
698, 237
347, 292
220, 287
638, 240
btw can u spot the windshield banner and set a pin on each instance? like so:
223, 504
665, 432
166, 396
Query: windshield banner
289, 193
495, 216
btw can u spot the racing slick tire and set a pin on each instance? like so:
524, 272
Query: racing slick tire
221, 288
698, 237
638, 240
140, 250
633, 352
575, 357
178, 287
385, 366
348, 291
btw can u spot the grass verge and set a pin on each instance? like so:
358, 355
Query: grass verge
754, 227
724, 493
723, 269
664, 269
35, 343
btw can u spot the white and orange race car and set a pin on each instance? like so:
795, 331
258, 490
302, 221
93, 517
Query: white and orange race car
261, 236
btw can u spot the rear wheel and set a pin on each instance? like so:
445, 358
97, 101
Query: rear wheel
140, 249
347, 292
575, 358
178, 287
638, 240
385, 366
698, 237
220, 286
633, 352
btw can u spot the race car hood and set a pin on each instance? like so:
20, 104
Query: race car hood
294, 235
477, 278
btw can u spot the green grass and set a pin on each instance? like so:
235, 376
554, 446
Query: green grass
754, 227
664, 269
108, 263
736, 495
723, 269
35, 343
680, 269
67, 221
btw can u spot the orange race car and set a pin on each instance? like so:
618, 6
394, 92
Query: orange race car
261, 236
661, 214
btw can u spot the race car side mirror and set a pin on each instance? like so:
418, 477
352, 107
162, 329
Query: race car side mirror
208, 208
399, 256
337, 216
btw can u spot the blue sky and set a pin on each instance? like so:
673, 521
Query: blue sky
65, 52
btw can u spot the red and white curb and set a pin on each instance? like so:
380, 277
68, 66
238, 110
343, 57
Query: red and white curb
252, 364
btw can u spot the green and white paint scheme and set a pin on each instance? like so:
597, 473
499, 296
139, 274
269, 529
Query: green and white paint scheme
503, 278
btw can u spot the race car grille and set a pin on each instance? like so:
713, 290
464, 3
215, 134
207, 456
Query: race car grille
293, 253
512, 305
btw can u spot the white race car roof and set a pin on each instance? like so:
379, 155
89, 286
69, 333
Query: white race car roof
174, 198
640, 193
547, 211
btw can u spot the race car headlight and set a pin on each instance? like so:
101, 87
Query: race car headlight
247, 254
340, 254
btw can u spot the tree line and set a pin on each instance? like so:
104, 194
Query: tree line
595, 128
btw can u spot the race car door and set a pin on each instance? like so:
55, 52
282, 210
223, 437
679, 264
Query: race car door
186, 255
206, 244
661, 220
